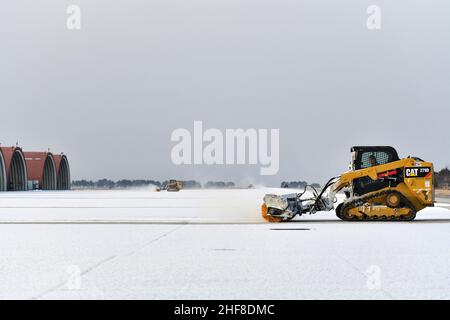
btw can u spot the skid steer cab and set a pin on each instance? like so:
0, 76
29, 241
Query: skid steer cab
379, 186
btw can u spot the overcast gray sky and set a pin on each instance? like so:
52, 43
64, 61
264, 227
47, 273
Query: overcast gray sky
109, 95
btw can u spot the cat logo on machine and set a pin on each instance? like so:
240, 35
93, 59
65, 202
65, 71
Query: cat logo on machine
417, 172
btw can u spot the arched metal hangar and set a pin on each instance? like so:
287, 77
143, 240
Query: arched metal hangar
14, 169
3, 183
41, 169
62, 172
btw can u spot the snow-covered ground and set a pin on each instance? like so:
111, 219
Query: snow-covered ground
211, 244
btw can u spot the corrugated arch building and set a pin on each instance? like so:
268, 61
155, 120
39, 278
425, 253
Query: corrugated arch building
3, 183
62, 172
14, 169
41, 169
21, 171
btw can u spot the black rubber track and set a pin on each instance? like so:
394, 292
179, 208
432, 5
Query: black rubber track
359, 201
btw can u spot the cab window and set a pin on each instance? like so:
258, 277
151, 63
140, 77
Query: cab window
374, 158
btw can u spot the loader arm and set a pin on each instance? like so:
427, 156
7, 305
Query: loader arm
374, 173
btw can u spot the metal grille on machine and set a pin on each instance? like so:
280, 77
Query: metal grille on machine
380, 156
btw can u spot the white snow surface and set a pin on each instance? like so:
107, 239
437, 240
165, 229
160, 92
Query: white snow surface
211, 244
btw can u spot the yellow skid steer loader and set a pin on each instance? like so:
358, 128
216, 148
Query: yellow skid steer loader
379, 186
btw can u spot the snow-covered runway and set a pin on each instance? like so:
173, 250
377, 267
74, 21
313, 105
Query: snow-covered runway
210, 244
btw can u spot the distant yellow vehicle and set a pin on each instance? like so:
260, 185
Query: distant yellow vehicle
174, 185
379, 186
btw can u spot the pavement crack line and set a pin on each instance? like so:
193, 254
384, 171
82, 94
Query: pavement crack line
365, 275
146, 244
84, 272
110, 258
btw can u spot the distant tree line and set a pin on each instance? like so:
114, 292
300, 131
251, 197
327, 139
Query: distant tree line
187, 184
298, 184
110, 184
219, 185
442, 178
126, 184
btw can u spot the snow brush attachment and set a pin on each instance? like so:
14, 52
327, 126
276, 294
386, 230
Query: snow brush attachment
276, 208
268, 217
